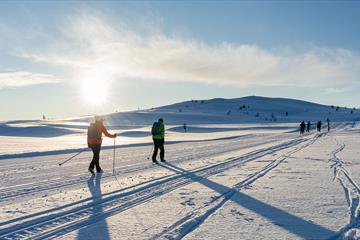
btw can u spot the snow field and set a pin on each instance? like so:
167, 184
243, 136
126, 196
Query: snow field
237, 185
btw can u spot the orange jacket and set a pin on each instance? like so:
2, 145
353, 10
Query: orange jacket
102, 130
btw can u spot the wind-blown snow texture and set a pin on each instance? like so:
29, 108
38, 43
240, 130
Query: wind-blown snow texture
232, 175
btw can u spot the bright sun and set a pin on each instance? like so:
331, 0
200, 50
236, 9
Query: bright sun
94, 89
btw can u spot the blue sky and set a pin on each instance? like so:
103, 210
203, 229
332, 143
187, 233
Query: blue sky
66, 59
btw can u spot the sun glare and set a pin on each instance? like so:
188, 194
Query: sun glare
94, 89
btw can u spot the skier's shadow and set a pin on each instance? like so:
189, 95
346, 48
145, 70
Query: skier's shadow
99, 228
279, 217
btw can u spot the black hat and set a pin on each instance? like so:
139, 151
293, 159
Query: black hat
161, 120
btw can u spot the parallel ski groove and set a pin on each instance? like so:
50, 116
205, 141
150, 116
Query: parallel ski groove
120, 202
35, 188
195, 218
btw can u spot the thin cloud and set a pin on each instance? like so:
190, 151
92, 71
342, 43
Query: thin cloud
22, 79
336, 90
91, 41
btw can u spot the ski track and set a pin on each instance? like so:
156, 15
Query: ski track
51, 224
195, 218
9, 193
350, 187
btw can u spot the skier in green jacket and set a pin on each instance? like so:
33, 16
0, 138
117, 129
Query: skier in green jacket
158, 136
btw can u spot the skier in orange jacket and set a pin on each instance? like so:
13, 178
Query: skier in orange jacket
94, 141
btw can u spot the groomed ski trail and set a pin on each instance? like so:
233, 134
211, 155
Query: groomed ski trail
51, 224
195, 218
37, 188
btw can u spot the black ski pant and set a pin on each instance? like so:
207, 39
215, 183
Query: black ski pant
96, 158
158, 144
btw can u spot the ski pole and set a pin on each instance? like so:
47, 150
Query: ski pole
114, 159
72, 157
150, 153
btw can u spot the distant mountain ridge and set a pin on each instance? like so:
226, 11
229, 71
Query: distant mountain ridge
249, 99
250, 109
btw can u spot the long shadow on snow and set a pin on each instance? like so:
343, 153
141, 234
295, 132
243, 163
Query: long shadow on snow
83, 201
121, 201
279, 217
89, 201
100, 230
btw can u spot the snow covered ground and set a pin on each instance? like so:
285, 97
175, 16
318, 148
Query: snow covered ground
221, 181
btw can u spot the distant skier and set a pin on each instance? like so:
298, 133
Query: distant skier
308, 126
328, 124
158, 135
302, 127
95, 131
184, 126
318, 126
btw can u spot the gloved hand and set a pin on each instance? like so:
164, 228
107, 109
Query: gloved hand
115, 135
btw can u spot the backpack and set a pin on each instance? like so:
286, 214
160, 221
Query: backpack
156, 128
93, 132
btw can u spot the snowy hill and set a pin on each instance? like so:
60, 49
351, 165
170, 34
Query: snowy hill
207, 118
240, 171
250, 109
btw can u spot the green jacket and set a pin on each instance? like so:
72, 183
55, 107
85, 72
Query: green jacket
161, 135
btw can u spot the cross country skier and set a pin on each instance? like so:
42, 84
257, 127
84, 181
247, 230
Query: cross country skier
94, 140
318, 126
302, 127
158, 135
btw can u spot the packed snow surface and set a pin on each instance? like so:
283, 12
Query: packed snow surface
231, 175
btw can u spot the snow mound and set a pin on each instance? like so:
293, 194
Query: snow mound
252, 109
34, 131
